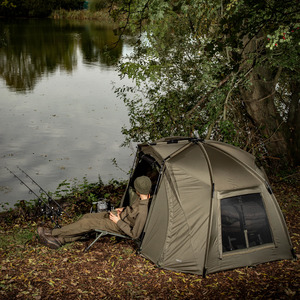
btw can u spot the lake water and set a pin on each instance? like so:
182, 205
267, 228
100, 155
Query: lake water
59, 117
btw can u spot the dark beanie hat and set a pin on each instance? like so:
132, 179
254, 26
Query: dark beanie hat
142, 185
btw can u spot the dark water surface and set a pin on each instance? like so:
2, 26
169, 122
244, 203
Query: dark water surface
59, 117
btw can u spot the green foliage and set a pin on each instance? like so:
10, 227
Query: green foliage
7, 4
97, 5
76, 198
18, 237
92, 198
283, 34
174, 74
81, 193
4, 205
193, 60
69, 188
284, 47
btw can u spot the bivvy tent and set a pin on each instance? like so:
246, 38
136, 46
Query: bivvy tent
212, 208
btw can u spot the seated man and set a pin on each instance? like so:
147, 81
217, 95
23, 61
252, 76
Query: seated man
128, 220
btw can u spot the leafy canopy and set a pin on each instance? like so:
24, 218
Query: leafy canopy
192, 59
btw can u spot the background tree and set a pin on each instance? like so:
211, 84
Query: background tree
36, 8
225, 69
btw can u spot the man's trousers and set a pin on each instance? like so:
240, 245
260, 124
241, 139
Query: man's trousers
86, 224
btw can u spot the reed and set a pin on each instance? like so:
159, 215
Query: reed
102, 15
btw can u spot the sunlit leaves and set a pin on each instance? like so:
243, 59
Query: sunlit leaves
7, 4
284, 34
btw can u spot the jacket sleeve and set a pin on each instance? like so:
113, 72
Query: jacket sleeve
140, 220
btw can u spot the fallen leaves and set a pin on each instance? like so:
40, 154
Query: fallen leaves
112, 270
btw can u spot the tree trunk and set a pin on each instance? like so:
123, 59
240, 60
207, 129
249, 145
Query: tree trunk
260, 105
294, 123
259, 102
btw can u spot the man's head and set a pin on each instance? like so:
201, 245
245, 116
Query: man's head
142, 185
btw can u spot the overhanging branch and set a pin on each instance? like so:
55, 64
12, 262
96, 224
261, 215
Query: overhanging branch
201, 101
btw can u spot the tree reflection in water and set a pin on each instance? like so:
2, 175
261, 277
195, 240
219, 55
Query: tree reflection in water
60, 118
30, 49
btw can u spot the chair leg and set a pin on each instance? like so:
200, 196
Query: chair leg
96, 239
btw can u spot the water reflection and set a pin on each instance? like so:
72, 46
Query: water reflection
30, 50
59, 118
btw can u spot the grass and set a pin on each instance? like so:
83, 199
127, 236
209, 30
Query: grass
16, 238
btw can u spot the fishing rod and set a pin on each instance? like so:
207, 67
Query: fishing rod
50, 199
47, 210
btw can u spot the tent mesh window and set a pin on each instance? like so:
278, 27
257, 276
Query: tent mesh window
244, 222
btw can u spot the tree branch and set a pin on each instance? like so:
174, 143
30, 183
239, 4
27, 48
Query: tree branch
221, 83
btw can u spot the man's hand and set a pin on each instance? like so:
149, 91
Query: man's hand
119, 209
115, 218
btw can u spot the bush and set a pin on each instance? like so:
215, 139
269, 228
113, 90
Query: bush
96, 5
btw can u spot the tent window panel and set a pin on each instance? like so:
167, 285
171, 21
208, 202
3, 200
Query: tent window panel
244, 222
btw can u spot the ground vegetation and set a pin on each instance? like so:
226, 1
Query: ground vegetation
113, 269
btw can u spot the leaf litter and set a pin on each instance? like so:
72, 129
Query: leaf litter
112, 269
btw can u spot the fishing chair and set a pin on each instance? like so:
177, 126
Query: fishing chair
100, 233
